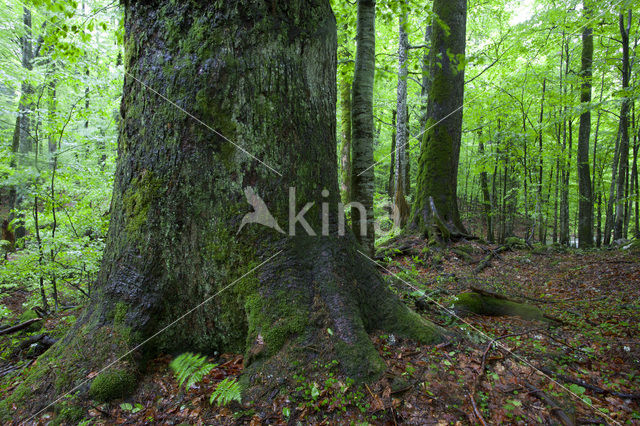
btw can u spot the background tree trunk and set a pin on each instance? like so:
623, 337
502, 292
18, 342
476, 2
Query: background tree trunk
585, 202
178, 195
624, 131
345, 127
400, 177
440, 150
392, 167
363, 182
486, 198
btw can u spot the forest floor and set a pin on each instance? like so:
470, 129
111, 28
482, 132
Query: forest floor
584, 369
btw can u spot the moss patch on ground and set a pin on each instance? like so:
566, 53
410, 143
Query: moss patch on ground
486, 305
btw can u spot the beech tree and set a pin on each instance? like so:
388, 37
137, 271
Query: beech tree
585, 219
252, 106
362, 177
436, 205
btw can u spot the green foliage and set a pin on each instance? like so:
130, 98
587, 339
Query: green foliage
227, 390
190, 368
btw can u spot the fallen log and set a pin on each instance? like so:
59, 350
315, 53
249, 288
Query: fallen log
19, 327
482, 304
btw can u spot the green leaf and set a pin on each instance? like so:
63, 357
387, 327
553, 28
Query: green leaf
190, 368
315, 392
227, 390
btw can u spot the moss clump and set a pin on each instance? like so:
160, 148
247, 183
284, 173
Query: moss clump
138, 198
515, 243
71, 414
29, 315
112, 384
540, 249
119, 313
485, 305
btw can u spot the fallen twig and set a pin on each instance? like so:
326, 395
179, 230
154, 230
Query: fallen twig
485, 262
476, 411
555, 408
591, 387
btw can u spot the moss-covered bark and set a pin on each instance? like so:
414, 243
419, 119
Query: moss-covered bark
440, 151
263, 75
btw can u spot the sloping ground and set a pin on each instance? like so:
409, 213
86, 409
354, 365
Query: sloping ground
590, 360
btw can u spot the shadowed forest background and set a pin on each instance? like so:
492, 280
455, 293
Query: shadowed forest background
494, 148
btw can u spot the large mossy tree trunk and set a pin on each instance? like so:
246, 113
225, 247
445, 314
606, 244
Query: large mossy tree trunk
362, 181
261, 74
436, 193
585, 203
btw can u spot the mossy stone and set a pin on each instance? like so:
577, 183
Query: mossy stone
112, 384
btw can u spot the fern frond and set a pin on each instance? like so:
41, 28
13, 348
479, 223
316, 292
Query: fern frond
190, 368
227, 390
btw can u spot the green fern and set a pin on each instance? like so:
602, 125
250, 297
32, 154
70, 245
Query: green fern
190, 368
227, 390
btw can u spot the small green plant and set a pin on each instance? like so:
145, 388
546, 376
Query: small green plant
227, 390
125, 406
190, 368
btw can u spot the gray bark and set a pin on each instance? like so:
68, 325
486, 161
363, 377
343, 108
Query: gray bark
362, 181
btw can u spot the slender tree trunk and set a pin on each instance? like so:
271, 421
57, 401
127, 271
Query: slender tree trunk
636, 195
585, 203
624, 131
392, 168
594, 184
539, 206
555, 203
426, 83
609, 219
436, 205
178, 194
362, 181
26, 104
399, 201
566, 150
345, 127
407, 158
486, 198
